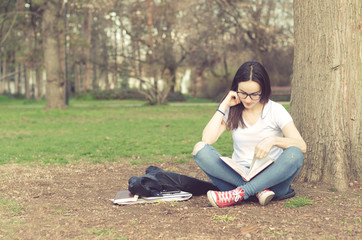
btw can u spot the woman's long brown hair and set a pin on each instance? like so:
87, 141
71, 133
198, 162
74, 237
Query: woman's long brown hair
253, 71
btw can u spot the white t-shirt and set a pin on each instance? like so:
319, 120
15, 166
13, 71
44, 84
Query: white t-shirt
271, 122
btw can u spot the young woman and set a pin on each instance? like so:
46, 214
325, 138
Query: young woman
260, 127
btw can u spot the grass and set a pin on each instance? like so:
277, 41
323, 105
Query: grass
105, 234
298, 202
101, 131
349, 224
224, 218
10, 207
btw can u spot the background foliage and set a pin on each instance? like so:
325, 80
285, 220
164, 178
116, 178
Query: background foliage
147, 45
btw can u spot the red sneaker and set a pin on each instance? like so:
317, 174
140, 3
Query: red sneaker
265, 196
225, 199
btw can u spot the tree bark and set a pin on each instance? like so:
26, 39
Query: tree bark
4, 66
115, 70
327, 88
1, 85
27, 82
17, 78
55, 84
87, 35
152, 51
2, 75
39, 83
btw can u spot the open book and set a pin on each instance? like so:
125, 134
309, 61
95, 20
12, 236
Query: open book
257, 165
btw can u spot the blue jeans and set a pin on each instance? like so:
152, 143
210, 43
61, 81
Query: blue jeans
276, 177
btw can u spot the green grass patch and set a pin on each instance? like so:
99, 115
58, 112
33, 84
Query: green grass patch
106, 234
191, 99
100, 131
298, 202
286, 106
9, 207
224, 218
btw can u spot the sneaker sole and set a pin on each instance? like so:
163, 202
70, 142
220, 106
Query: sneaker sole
211, 200
267, 199
286, 196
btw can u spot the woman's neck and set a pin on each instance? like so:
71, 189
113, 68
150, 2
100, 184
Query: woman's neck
257, 109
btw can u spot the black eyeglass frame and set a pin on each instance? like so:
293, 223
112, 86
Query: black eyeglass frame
251, 95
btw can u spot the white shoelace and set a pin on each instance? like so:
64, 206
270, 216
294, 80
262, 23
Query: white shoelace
233, 195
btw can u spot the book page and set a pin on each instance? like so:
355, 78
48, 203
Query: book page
241, 167
259, 163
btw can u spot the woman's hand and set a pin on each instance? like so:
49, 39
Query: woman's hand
230, 100
264, 146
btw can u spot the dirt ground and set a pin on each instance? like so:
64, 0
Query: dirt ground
72, 202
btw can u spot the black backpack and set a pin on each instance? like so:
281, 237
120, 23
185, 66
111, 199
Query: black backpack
156, 181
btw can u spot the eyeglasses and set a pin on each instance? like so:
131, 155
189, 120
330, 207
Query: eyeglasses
253, 96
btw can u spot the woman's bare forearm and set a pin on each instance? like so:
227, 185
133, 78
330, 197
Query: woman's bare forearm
216, 125
285, 142
214, 128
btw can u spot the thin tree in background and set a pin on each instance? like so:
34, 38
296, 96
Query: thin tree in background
55, 81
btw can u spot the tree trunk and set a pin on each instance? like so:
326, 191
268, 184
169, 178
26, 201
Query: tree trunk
17, 78
77, 78
27, 82
108, 85
104, 58
1, 85
152, 51
2, 76
4, 66
139, 68
39, 83
87, 35
115, 72
55, 86
327, 89
95, 84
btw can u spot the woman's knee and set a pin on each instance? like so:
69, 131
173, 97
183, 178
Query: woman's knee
294, 156
198, 146
205, 155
